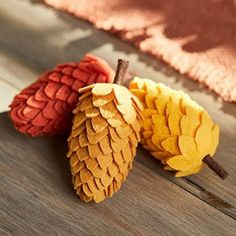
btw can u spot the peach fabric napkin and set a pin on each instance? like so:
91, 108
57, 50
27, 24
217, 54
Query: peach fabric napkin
197, 37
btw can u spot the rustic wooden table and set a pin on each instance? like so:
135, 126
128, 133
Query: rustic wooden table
36, 196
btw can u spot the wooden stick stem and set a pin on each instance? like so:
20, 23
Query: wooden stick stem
215, 166
120, 72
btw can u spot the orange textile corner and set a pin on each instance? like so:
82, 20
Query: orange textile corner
45, 107
197, 37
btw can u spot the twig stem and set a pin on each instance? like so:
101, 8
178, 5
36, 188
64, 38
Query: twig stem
216, 167
120, 72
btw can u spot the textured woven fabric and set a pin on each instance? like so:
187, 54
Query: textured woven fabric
197, 37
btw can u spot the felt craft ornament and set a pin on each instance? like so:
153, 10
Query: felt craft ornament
104, 137
45, 107
176, 130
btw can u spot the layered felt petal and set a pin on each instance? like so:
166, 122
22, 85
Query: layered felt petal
103, 140
175, 129
45, 107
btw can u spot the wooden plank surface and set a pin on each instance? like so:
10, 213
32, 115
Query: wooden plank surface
33, 38
7, 91
36, 197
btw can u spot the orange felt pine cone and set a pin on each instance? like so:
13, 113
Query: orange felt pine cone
45, 107
103, 140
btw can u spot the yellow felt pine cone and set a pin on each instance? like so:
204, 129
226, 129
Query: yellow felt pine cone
176, 130
103, 140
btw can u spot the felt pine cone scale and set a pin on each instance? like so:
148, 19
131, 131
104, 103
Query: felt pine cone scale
103, 140
176, 130
45, 107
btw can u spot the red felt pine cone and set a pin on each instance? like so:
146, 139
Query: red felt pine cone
45, 107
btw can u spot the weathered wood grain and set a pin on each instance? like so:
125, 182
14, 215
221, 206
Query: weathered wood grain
36, 197
7, 91
205, 185
34, 38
